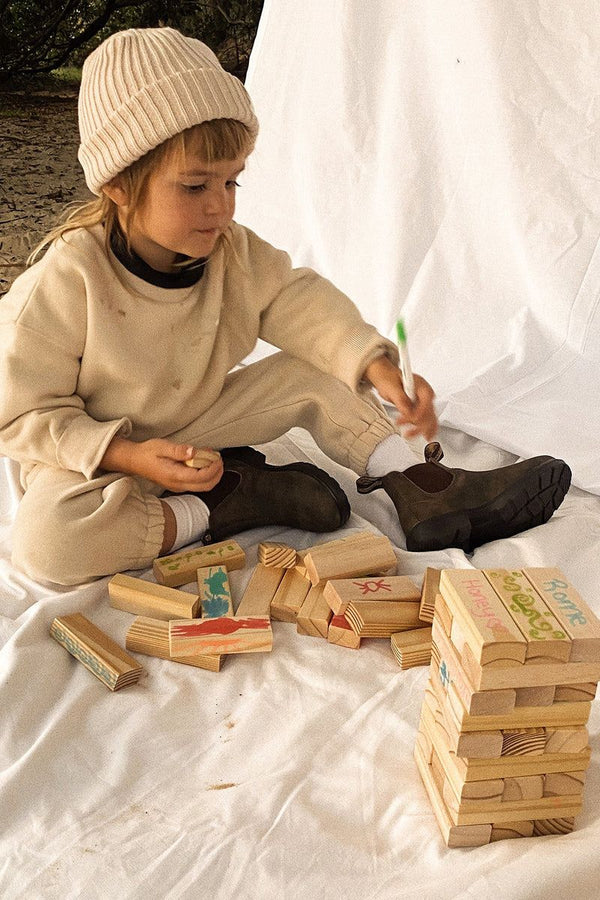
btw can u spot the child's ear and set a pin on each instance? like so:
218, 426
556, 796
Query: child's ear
116, 192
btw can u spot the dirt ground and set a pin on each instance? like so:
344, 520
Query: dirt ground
39, 171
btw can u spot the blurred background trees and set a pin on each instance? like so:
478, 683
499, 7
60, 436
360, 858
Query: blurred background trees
39, 37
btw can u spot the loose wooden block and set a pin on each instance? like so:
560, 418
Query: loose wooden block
536, 696
358, 554
509, 830
372, 618
228, 634
96, 651
547, 641
143, 598
289, 596
214, 593
412, 648
553, 826
488, 627
181, 568
151, 637
340, 633
576, 617
260, 590
340, 592
523, 741
314, 614
560, 784
572, 693
202, 458
430, 588
525, 787
280, 556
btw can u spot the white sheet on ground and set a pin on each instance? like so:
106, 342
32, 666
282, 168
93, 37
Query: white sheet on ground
439, 159
286, 775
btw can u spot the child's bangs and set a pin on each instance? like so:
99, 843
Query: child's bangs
218, 139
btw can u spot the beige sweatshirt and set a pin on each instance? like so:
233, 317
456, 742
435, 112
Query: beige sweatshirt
89, 350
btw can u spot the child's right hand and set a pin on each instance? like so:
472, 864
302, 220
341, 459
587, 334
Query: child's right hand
163, 462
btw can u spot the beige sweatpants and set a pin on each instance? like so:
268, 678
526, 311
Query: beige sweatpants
69, 529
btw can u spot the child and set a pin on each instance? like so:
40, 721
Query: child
118, 349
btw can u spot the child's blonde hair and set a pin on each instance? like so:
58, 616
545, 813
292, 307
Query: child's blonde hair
213, 141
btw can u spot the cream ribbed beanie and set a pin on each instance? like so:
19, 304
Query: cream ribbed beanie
144, 85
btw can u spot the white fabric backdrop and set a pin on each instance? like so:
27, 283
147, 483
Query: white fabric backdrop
439, 158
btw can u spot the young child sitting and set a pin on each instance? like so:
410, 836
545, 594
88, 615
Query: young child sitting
120, 347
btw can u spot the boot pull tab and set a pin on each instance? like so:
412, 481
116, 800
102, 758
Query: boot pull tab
365, 484
433, 452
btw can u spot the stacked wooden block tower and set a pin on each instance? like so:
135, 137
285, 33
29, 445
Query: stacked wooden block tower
502, 746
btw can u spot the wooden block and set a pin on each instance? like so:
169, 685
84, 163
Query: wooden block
202, 458
521, 810
553, 826
425, 746
560, 784
151, 637
289, 596
260, 590
485, 678
412, 648
373, 618
525, 787
314, 614
566, 740
573, 693
429, 590
228, 634
469, 744
144, 598
181, 568
535, 696
279, 556
453, 836
358, 554
576, 617
509, 830
214, 593
340, 633
523, 741
547, 640
490, 631
443, 615
393, 588
96, 651
450, 670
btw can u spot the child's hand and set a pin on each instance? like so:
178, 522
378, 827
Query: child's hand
161, 461
386, 378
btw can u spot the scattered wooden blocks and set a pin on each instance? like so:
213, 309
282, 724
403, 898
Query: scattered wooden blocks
342, 591
260, 591
144, 598
314, 614
358, 554
96, 650
181, 568
502, 739
280, 556
412, 648
227, 634
151, 637
371, 618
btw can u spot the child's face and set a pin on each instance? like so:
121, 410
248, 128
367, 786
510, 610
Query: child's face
186, 207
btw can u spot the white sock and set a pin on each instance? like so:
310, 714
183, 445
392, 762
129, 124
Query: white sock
191, 516
393, 454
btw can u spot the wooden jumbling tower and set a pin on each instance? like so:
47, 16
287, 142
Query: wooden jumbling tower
503, 746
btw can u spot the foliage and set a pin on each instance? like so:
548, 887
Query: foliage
37, 36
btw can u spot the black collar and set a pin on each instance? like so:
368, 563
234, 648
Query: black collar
186, 275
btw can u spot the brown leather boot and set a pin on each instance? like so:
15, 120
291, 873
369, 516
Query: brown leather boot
440, 507
252, 493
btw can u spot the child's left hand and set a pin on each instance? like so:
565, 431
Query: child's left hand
386, 378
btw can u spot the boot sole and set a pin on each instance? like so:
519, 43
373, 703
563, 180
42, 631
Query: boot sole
525, 504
